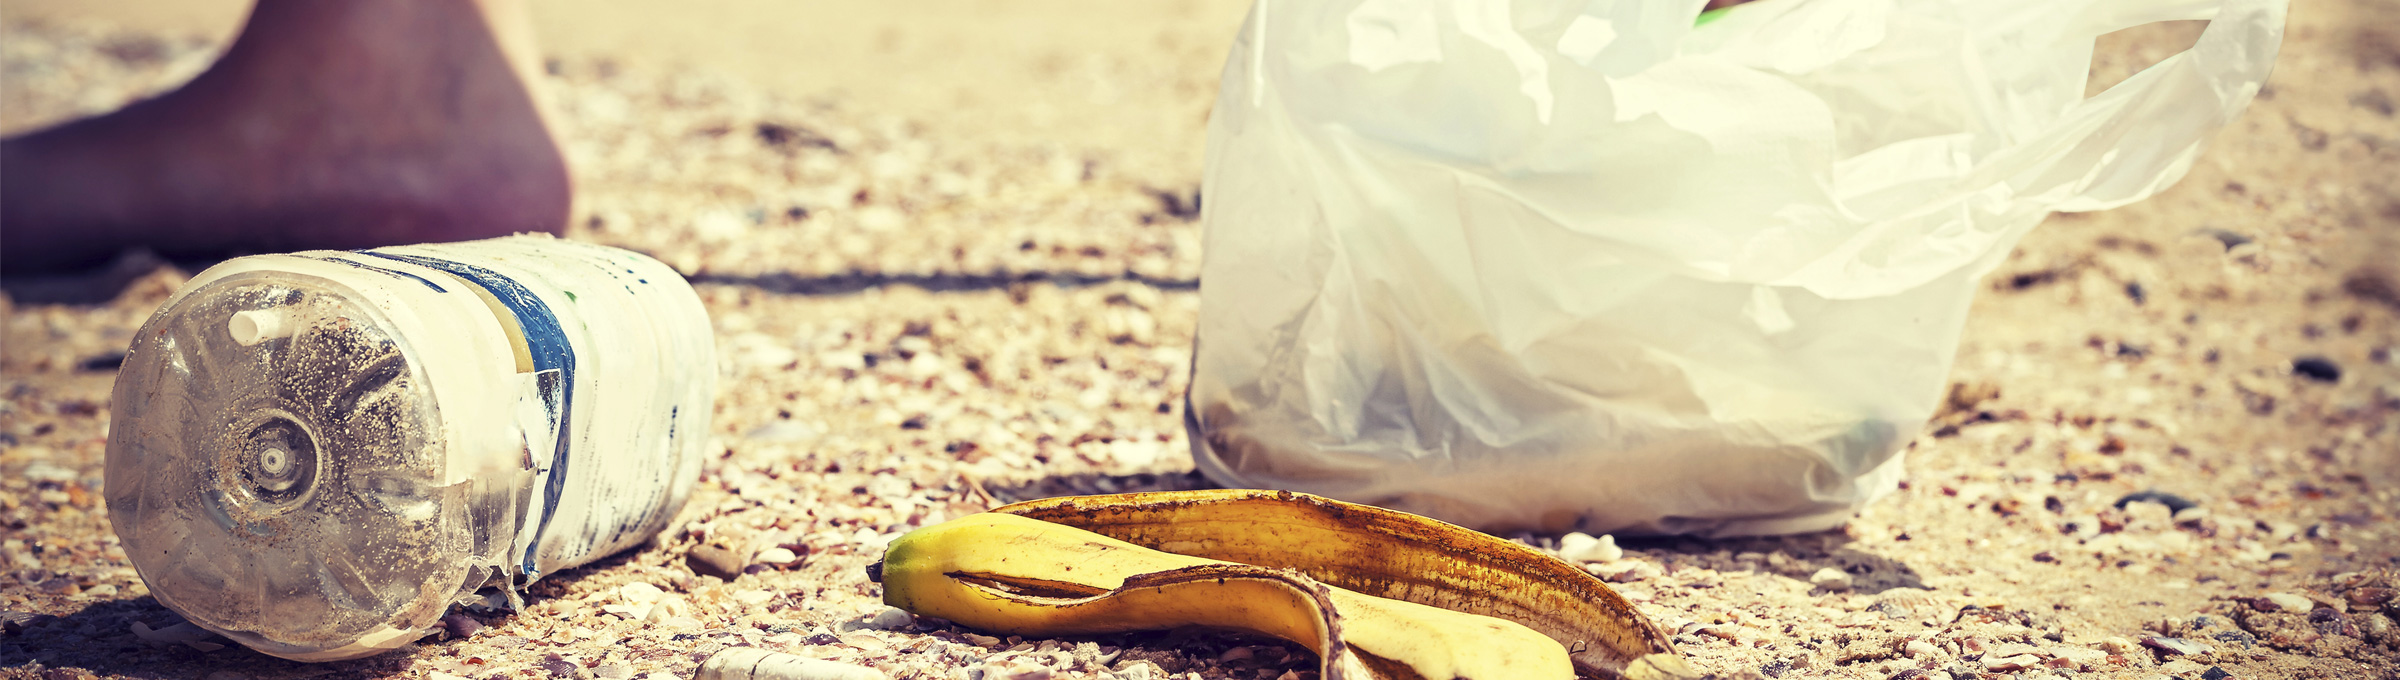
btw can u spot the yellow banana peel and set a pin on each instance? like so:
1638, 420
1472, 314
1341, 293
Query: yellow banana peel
1009, 574
1385, 553
1379, 594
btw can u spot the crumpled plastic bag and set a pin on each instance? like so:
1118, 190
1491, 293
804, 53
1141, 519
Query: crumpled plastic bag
1585, 265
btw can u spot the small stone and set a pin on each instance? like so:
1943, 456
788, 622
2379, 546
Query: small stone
1920, 649
1905, 604
1582, 547
2012, 663
2015, 649
640, 592
777, 556
12, 622
2317, 368
2380, 628
461, 625
2173, 502
2075, 657
2227, 237
2177, 646
2289, 602
559, 667
45, 471
891, 618
631, 612
1625, 571
1831, 579
2117, 645
2370, 596
714, 559
2215, 673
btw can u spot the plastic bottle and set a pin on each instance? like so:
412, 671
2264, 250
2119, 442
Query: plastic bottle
316, 454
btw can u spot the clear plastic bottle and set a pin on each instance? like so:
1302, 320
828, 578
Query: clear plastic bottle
316, 454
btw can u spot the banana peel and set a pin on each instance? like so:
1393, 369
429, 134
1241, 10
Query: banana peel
1409, 596
1014, 575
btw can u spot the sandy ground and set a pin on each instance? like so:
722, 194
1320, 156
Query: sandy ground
931, 271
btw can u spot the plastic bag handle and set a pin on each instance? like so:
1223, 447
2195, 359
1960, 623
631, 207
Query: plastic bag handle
2142, 135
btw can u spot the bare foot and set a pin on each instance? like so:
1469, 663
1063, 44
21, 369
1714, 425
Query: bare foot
325, 125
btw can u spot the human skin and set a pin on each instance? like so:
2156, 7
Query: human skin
324, 125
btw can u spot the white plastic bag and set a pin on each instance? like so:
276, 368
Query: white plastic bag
1583, 265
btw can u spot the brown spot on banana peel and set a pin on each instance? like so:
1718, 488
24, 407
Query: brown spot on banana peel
1385, 553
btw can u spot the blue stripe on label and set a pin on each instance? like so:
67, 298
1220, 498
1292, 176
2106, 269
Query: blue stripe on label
373, 268
547, 342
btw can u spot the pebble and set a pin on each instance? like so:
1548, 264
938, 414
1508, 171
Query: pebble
2290, 603
778, 556
2077, 657
1919, 649
1831, 579
2370, 596
45, 471
1906, 604
631, 612
2117, 645
2012, 663
461, 625
1624, 571
2317, 368
1582, 547
2173, 502
714, 559
2227, 237
640, 592
891, 618
2178, 646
